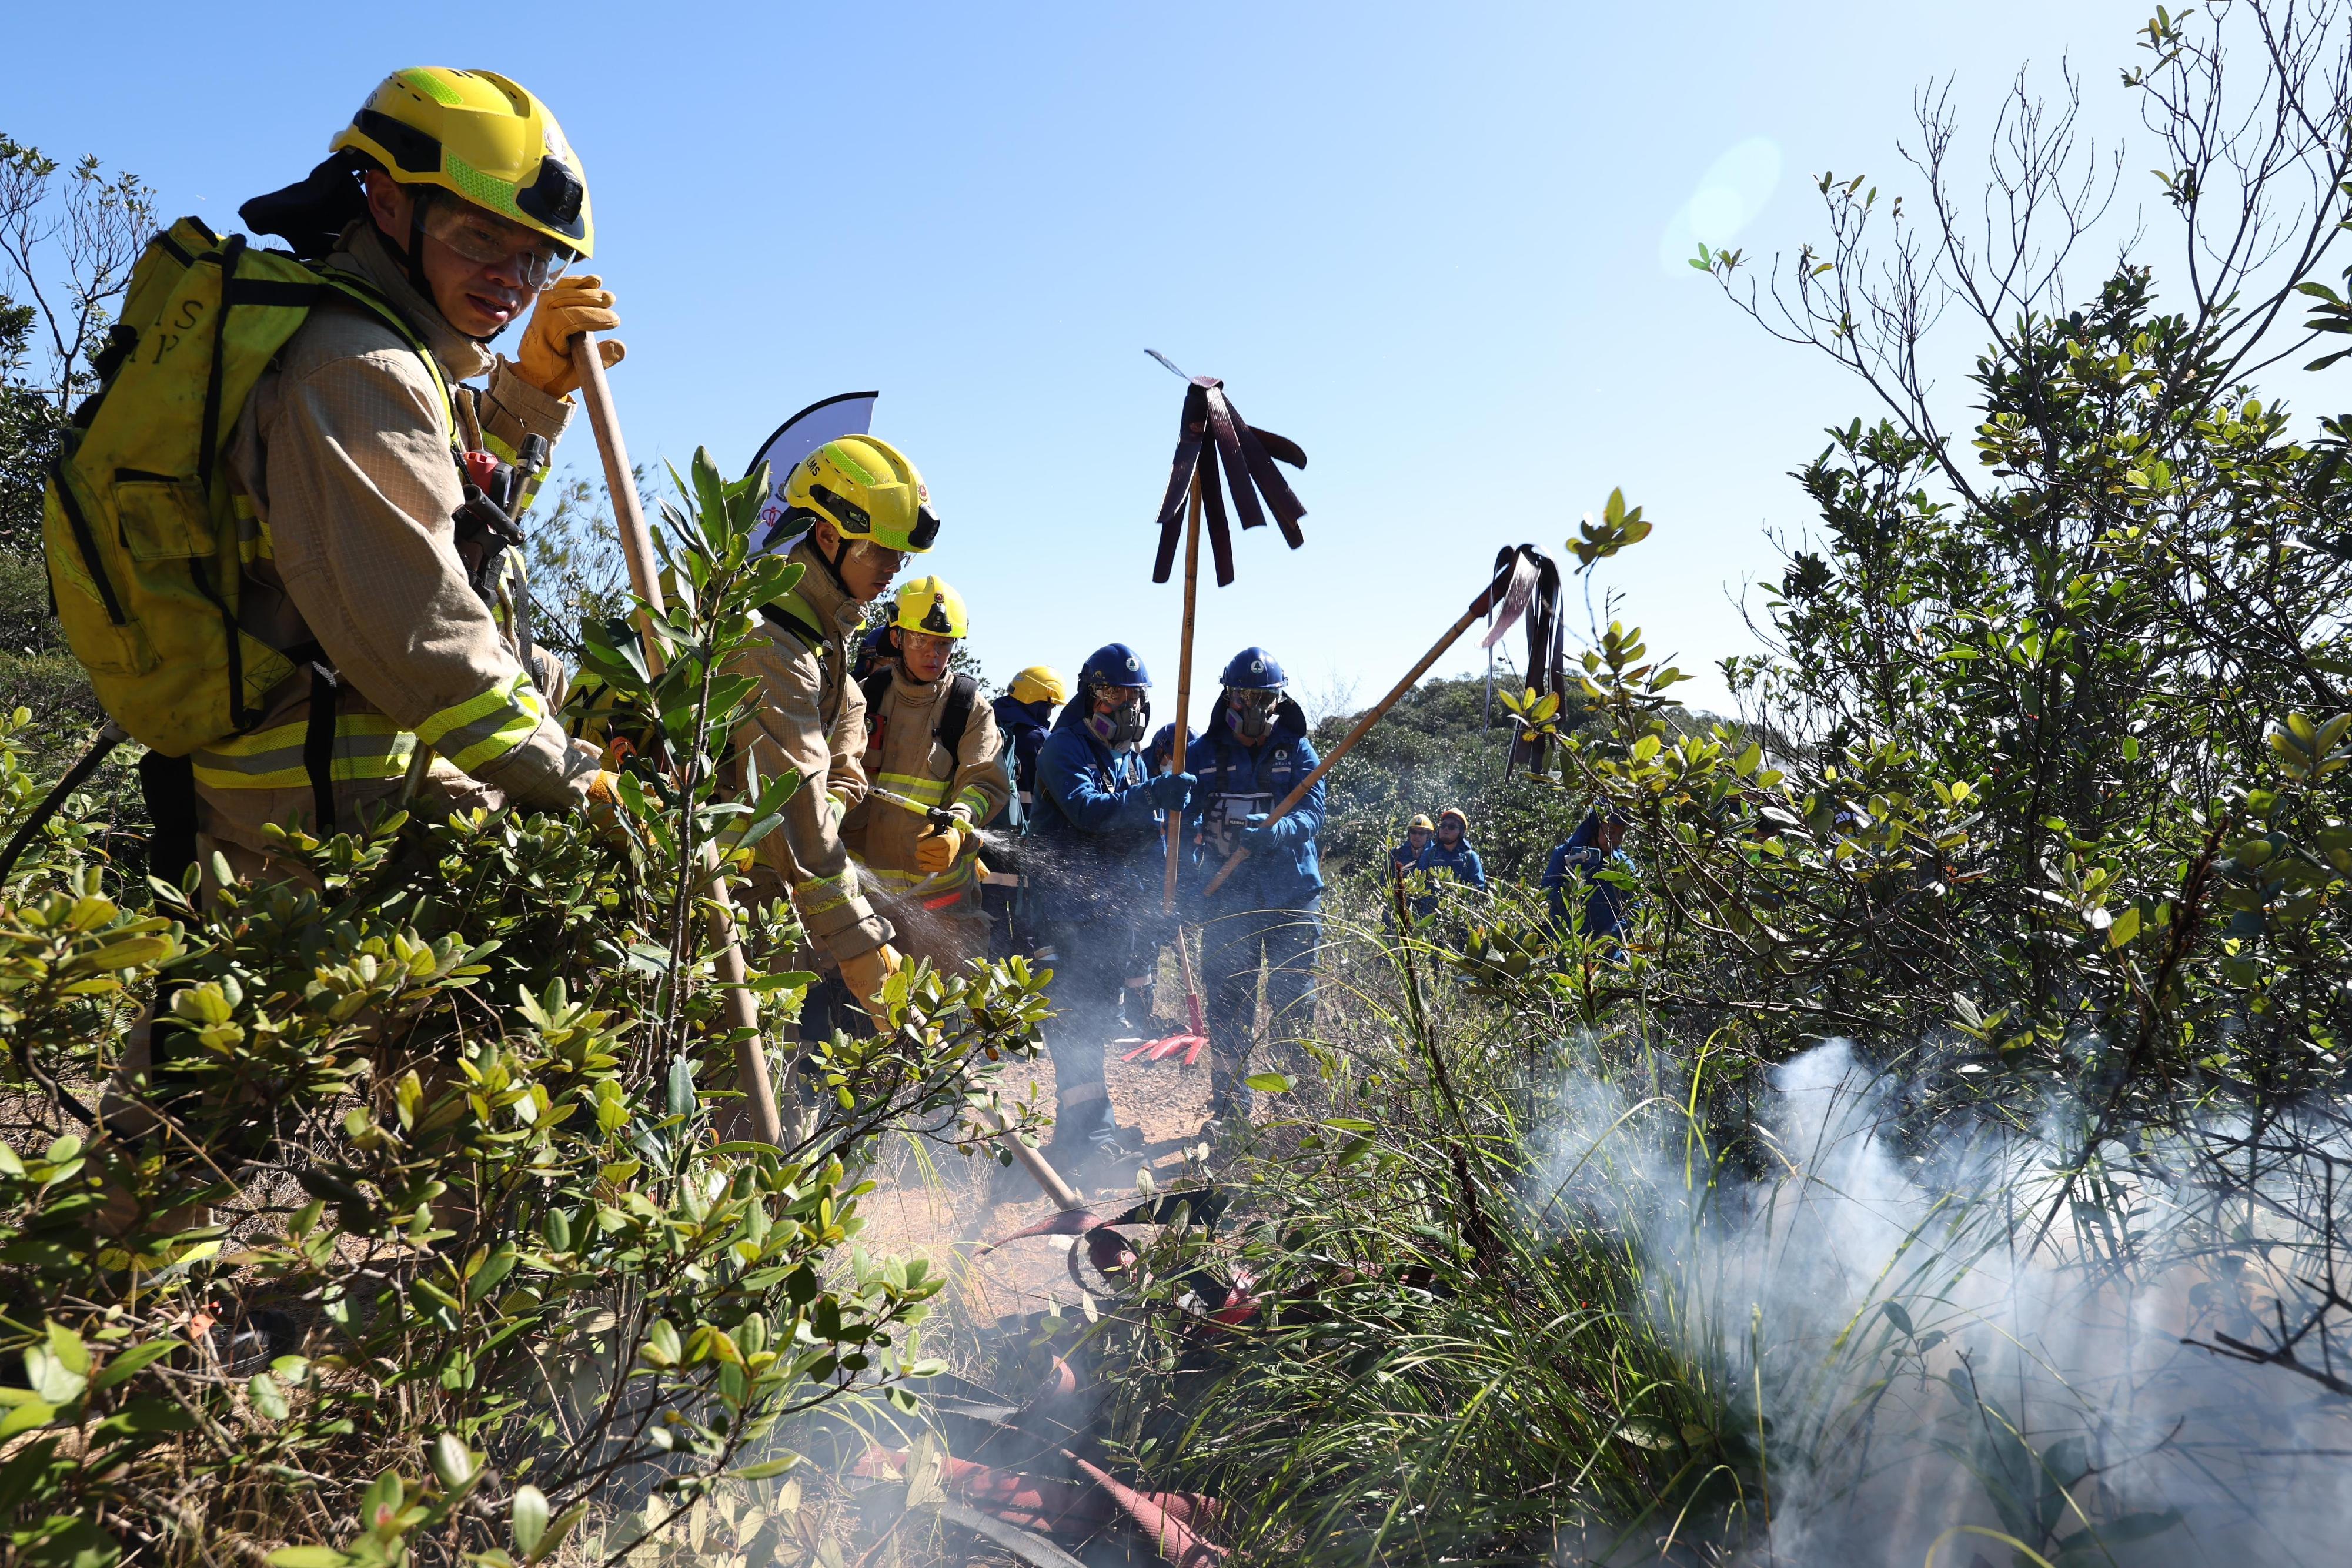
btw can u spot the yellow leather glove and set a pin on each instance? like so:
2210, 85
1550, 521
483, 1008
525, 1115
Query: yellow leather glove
866, 973
573, 306
608, 812
935, 851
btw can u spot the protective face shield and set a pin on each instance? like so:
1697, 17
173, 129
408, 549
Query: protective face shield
1251, 712
1123, 728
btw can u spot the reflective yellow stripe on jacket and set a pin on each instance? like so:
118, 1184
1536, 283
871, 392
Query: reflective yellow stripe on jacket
484, 728
367, 746
818, 895
948, 880
925, 792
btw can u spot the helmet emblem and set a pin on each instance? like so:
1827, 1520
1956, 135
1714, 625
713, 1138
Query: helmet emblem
1257, 666
1133, 662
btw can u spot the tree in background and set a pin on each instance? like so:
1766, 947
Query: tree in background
68, 240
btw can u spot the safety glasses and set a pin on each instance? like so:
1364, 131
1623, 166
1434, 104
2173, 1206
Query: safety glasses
1111, 699
1258, 702
487, 240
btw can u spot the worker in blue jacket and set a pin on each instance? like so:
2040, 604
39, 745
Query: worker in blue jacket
1094, 852
1024, 716
1582, 902
1268, 915
1450, 858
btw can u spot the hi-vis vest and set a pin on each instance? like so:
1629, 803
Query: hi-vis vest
147, 543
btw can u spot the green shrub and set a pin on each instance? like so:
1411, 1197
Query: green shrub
426, 1238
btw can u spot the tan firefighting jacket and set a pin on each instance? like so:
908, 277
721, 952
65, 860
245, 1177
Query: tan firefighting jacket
809, 718
904, 757
344, 450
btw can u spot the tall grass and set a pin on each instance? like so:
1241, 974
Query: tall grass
1533, 1294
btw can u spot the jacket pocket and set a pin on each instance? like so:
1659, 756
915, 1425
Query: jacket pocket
162, 518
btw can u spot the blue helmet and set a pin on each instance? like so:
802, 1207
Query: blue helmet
1253, 670
1114, 664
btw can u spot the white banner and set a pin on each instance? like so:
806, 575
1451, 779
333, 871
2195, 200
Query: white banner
847, 414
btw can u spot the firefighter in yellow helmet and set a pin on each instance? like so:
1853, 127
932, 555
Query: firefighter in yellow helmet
452, 206
453, 202
934, 772
853, 510
1024, 715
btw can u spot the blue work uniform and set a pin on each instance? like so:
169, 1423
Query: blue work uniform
1267, 915
1023, 727
1440, 865
1605, 909
1093, 856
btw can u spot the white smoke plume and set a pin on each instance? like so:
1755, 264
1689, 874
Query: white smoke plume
1947, 1350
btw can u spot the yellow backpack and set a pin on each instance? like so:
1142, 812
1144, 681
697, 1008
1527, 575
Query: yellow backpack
146, 542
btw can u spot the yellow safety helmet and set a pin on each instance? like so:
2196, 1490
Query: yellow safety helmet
866, 488
928, 605
1457, 814
1039, 683
483, 137
1421, 819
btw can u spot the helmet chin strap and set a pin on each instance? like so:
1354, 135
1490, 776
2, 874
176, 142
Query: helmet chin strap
410, 256
832, 563
412, 264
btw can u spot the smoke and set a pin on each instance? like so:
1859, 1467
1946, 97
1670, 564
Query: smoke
1948, 1347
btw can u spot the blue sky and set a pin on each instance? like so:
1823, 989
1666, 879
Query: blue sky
1423, 242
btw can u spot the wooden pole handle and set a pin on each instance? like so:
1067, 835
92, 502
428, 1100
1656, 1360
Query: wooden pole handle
645, 576
621, 481
1065, 1196
1176, 746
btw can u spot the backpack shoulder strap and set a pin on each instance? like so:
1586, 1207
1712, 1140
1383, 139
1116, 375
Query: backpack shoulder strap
962, 694
876, 686
786, 614
359, 291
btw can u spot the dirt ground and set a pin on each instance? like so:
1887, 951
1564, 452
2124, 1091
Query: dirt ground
949, 1207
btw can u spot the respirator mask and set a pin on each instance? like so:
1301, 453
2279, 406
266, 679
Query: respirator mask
1250, 714
1122, 728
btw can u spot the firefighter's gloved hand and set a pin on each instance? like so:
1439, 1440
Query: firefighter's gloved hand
865, 974
935, 851
570, 306
1170, 791
606, 809
1258, 834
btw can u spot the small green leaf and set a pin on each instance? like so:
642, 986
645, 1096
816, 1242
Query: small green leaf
1269, 1082
530, 1518
307, 1557
453, 1462
268, 1399
124, 1363
24, 1417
